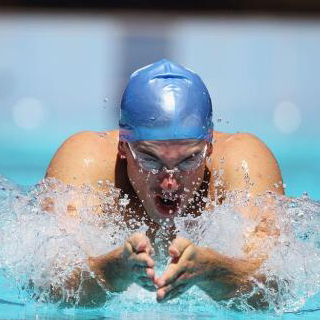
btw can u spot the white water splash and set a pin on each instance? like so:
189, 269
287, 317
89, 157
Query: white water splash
45, 248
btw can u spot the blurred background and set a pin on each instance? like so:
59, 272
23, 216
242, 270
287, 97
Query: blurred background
64, 65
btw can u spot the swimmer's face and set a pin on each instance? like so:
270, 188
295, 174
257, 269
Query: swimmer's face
164, 174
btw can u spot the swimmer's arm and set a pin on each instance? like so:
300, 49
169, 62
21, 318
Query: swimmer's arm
108, 274
244, 166
82, 287
85, 159
228, 277
253, 177
79, 289
220, 276
249, 171
252, 183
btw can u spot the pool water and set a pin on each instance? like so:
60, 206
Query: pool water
29, 241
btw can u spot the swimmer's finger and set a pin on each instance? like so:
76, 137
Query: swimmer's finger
171, 291
145, 271
178, 246
141, 259
150, 273
145, 281
127, 250
140, 243
173, 272
146, 247
150, 251
166, 296
147, 285
149, 288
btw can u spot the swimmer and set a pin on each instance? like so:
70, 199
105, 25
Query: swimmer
167, 158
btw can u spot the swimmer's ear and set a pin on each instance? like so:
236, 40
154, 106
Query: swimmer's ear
121, 150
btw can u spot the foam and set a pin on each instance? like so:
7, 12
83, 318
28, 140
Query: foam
46, 247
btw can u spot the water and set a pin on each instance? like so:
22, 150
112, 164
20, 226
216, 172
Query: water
45, 248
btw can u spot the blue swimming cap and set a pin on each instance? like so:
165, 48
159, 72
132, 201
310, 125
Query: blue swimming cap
165, 101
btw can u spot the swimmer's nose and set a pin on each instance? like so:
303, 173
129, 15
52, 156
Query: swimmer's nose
169, 183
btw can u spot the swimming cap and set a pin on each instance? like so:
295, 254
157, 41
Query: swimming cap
165, 101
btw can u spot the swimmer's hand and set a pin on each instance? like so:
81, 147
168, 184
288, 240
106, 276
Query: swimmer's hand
190, 265
221, 277
130, 263
137, 257
185, 269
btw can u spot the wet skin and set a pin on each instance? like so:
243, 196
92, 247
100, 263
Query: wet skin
90, 157
154, 188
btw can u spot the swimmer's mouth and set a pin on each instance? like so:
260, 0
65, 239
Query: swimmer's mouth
167, 206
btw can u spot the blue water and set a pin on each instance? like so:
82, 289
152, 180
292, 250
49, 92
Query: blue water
138, 304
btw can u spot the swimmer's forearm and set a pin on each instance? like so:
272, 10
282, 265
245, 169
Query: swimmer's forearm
221, 291
91, 290
80, 288
130, 263
228, 277
85, 293
220, 276
85, 288
110, 270
109, 273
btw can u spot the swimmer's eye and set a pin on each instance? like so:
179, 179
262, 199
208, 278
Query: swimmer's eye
189, 163
192, 162
149, 163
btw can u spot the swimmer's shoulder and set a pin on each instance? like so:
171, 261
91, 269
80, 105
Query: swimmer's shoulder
241, 155
232, 143
86, 158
